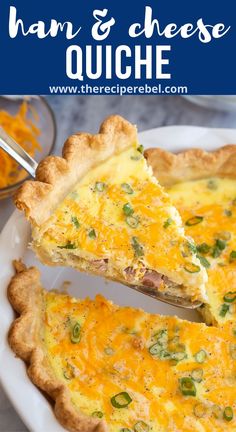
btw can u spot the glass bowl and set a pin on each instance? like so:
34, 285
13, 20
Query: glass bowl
46, 123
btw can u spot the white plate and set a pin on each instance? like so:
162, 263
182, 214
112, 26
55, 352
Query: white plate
31, 405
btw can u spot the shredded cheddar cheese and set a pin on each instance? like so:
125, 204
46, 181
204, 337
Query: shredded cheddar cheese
24, 132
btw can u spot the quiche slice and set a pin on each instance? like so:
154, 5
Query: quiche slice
119, 369
203, 188
100, 209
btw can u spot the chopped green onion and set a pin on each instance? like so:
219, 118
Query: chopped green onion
138, 248
76, 333
216, 411
178, 356
194, 220
92, 234
232, 350
160, 347
220, 244
132, 221
234, 331
203, 248
140, 148
205, 263
187, 386
164, 355
192, 247
155, 349
98, 414
232, 256
127, 188
128, 209
192, 268
224, 309
69, 245
121, 400
168, 222
212, 184
67, 375
216, 252
199, 410
197, 374
161, 336
228, 213
100, 186
75, 221
141, 426
200, 356
228, 413
230, 297
69, 372
125, 430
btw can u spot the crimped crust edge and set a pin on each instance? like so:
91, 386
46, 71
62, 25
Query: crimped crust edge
24, 293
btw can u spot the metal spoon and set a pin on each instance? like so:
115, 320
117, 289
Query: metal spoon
30, 165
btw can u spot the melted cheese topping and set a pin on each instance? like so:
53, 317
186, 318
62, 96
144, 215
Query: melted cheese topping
118, 212
214, 200
115, 354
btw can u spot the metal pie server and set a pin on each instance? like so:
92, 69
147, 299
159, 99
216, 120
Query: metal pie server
30, 165
18, 153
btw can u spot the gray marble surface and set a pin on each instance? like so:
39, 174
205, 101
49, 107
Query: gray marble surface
86, 113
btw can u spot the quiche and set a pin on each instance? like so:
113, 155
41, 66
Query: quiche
120, 369
100, 209
203, 188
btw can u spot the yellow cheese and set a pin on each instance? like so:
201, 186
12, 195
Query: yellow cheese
214, 201
120, 213
145, 356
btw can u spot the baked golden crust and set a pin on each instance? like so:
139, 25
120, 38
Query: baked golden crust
193, 164
24, 338
56, 176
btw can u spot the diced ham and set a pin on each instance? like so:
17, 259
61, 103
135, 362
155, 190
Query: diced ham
152, 279
100, 265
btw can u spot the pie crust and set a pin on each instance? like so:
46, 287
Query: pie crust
193, 164
24, 294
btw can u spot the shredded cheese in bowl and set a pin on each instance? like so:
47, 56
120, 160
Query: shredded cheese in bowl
25, 132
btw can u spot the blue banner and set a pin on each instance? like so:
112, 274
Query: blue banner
104, 47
